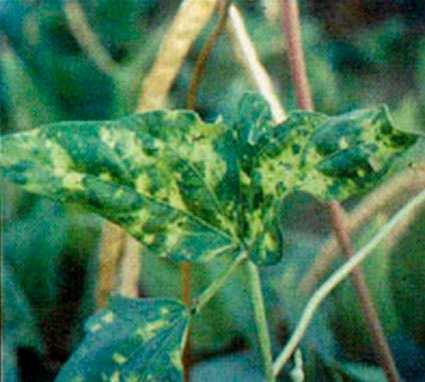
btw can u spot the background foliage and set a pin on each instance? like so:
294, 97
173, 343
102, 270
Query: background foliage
357, 56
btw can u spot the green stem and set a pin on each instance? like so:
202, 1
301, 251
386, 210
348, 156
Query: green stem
257, 301
339, 275
217, 284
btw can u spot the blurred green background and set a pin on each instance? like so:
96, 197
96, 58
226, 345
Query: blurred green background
359, 53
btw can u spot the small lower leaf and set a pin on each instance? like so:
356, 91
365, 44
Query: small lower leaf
131, 340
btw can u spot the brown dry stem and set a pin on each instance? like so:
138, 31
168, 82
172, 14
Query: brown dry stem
393, 191
292, 30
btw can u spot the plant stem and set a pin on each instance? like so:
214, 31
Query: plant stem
203, 56
186, 276
190, 19
339, 275
381, 347
186, 267
247, 56
87, 39
257, 301
109, 254
292, 28
411, 180
131, 266
217, 284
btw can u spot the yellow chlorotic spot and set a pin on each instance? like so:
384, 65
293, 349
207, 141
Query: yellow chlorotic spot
59, 156
361, 173
270, 242
164, 311
316, 184
119, 358
115, 377
269, 179
176, 199
118, 193
143, 183
132, 378
73, 181
174, 235
105, 176
374, 163
343, 143
144, 216
107, 137
245, 179
175, 358
94, 328
108, 317
149, 330
149, 239
171, 116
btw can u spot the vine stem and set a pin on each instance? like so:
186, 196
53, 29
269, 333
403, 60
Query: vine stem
204, 54
338, 276
412, 180
381, 346
248, 58
186, 293
186, 267
257, 302
217, 284
87, 39
191, 18
292, 30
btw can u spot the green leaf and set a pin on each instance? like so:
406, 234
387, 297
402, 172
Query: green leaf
168, 178
19, 326
253, 129
190, 190
363, 373
26, 102
131, 340
331, 158
37, 267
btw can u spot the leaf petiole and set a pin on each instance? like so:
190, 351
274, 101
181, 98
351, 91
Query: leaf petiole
257, 301
217, 284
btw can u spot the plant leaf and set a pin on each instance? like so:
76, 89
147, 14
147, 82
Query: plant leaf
363, 373
168, 178
191, 190
19, 322
131, 340
331, 158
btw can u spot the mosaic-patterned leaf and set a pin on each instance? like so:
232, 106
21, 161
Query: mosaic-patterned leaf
190, 190
131, 341
254, 123
328, 157
168, 178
